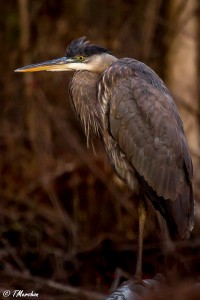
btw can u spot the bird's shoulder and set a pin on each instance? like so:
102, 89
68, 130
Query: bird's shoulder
136, 71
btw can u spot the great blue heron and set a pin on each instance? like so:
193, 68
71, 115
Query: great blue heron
128, 106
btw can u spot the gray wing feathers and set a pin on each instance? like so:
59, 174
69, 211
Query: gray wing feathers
148, 133
144, 121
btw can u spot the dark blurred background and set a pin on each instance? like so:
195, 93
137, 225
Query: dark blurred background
64, 216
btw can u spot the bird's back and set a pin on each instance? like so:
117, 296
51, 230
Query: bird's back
144, 137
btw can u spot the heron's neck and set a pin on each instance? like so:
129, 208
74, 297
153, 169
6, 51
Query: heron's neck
84, 96
100, 62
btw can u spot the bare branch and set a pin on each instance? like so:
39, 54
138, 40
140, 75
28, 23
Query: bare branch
81, 293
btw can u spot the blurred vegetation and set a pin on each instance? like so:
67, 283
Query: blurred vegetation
64, 216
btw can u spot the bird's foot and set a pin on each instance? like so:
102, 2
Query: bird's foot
138, 280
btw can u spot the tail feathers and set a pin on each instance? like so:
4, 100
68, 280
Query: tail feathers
180, 212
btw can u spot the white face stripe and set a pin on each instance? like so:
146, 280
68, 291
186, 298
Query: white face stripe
89, 64
96, 63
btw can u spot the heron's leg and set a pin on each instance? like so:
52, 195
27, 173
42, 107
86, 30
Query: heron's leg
142, 213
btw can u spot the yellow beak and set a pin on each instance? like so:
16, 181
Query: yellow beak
59, 64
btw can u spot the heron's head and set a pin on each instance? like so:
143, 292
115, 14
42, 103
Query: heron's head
80, 55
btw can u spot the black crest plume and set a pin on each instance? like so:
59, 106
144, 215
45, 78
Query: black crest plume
81, 46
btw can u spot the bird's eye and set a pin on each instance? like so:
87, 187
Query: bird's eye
81, 58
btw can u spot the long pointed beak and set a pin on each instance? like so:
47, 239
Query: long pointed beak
59, 64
